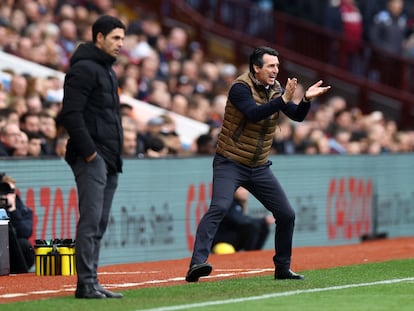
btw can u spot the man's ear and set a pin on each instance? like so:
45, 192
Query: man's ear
100, 37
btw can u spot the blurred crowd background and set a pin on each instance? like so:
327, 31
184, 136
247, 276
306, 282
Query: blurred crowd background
165, 68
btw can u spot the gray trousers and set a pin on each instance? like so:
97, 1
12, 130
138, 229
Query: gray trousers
96, 189
228, 175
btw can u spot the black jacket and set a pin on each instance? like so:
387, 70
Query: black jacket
91, 110
21, 219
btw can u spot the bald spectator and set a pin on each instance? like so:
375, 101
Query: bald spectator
9, 139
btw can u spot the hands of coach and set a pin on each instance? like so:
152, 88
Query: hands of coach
312, 92
315, 91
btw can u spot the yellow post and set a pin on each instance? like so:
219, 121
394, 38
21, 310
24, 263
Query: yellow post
42, 260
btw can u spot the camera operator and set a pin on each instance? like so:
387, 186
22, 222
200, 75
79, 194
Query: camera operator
22, 254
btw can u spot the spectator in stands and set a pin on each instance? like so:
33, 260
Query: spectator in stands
68, 40
13, 117
205, 145
368, 9
218, 106
9, 139
35, 142
128, 86
21, 250
34, 102
95, 144
47, 127
159, 96
177, 44
18, 104
150, 142
185, 86
4, 115
18, 86
389, 27
300, 135
22, 147
340, 140
5, 33
242, 231
170, 137
149, 67
199, 108
129, 145
30, 122
322, 142
4, 103
60, 145
179, 104
283, 138
227, 74
344, 17
250, 121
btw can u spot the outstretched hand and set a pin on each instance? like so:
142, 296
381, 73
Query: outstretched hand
316, 90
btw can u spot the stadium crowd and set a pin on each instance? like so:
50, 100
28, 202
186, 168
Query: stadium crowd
163, 68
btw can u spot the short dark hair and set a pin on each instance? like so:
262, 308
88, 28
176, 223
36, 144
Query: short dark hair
105, 24
256, 58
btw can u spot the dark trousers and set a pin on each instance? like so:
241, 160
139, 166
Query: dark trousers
228, 175
22, 254
96, 189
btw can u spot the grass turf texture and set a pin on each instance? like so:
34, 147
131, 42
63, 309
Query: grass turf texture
328, 289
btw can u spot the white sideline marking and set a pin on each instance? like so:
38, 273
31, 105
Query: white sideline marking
127, 273
267, 296
71, 288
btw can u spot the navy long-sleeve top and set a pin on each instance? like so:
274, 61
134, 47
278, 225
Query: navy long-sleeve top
240, 96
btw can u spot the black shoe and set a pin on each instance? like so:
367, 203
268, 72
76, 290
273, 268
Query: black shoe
88, 291
287, 275
108, 293
198, 270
